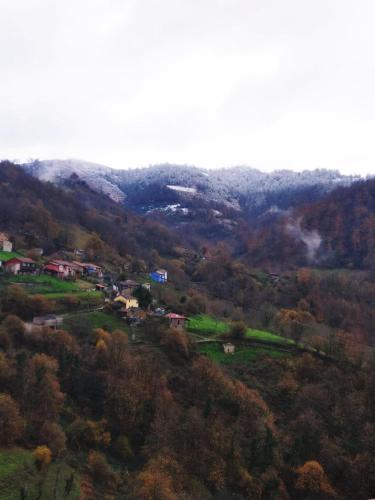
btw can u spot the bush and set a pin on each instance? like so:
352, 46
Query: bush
42, 456
238, 330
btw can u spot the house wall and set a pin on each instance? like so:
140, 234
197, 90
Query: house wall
229, 349
14, 268
131, 303
7, 246
159, 278
178, 324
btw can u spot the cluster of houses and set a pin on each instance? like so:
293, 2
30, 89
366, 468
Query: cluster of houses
64, 269
120, 293
59, 268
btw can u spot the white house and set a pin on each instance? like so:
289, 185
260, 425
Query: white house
5, 244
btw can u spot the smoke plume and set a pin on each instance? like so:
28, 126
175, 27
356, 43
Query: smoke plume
311, 239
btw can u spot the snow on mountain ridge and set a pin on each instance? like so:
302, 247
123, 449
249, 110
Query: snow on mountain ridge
225, 185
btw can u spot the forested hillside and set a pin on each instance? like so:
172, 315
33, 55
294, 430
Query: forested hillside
337, 231
247, 373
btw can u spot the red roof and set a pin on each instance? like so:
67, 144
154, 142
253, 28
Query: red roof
64, 263
174, 316
52, 267
23, 260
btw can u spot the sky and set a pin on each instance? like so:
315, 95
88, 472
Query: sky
212, 83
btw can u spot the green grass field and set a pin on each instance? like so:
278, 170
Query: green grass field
96, 319
48, 285
43, 284
266, 336
95, 294
243, 354
12, 464
202, 323
17, 470
5, 256
210, 327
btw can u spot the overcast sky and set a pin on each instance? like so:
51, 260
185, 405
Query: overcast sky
126, 83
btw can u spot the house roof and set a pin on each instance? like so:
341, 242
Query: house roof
129, 283
40, 320
48, 317
4, 237
161, 271
52, 267
23, 260
124, 300
60, 262
86, 265
174, 316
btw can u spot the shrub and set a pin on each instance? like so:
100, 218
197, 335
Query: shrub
42, 456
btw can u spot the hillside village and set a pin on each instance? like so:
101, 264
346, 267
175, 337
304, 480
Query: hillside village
75, 286
130, 300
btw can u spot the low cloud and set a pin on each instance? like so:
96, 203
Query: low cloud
311, 239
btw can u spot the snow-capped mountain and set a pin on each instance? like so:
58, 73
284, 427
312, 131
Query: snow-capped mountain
244, 188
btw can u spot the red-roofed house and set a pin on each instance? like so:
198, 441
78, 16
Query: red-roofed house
61, 268
20, 265
176, 321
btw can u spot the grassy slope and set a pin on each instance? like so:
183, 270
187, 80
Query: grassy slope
53, 288
96, 294
202, 323
209, 326
17, 470
5, 256
97, 319
43, 284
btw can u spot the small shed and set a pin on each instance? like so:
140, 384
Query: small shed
229, 348
176, 321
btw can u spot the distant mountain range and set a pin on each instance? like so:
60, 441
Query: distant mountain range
167, 187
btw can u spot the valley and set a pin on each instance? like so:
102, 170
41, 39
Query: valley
134, 341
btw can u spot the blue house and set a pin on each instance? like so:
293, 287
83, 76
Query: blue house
160, 276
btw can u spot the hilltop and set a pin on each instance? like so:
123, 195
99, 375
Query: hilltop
243, 188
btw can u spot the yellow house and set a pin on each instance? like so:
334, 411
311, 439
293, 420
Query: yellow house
128, 302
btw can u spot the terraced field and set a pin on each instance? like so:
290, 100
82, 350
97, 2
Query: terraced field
209, 326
